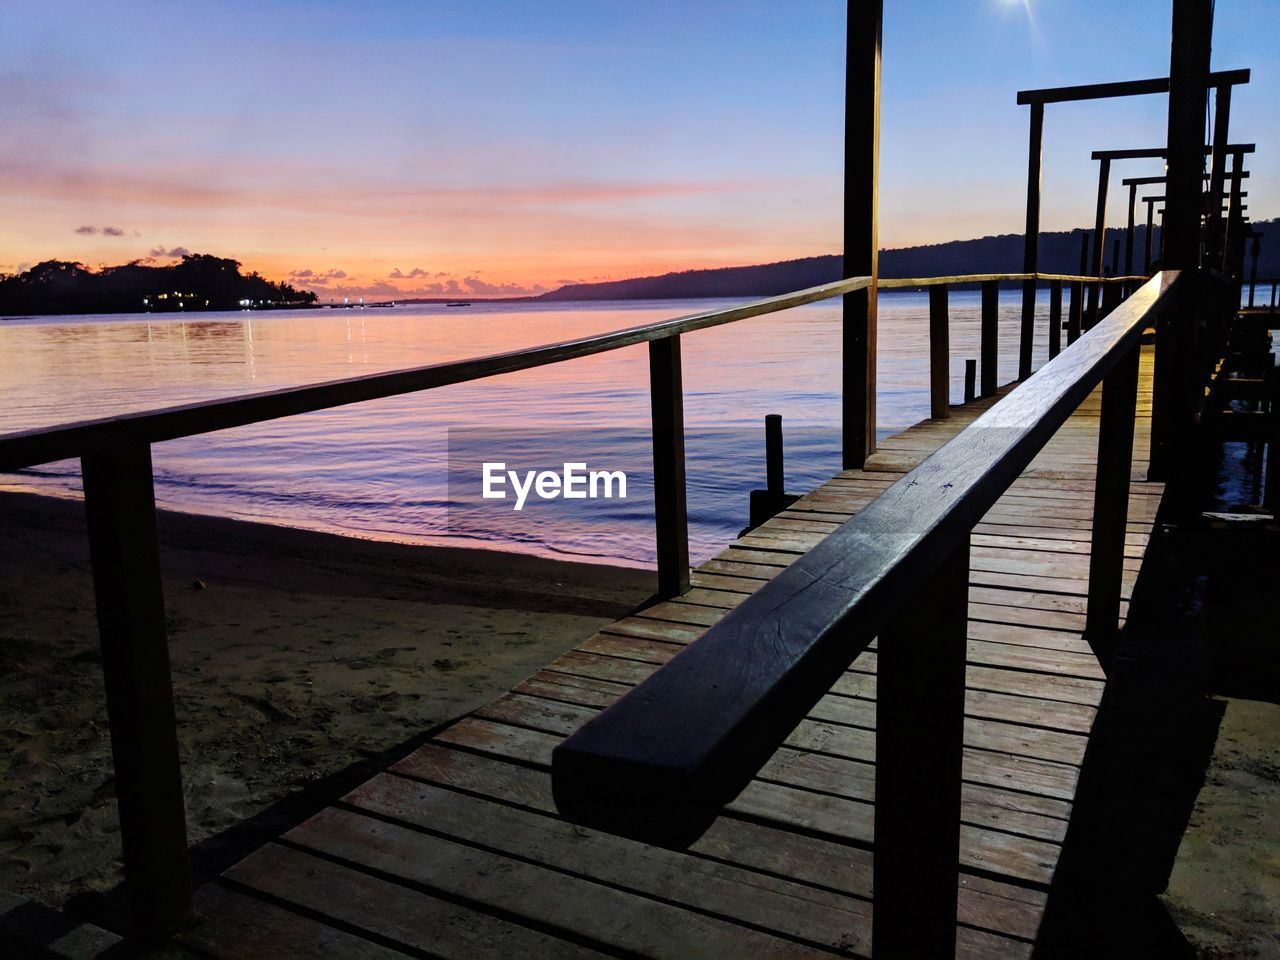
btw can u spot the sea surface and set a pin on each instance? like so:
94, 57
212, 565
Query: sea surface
409, 468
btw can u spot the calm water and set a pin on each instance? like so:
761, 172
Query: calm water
407, 468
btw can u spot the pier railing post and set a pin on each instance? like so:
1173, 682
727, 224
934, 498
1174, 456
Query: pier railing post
125, 555
1055, 318
1111, 505
670, 512
919, 752
1027, 333
1075, 311
939, 354
989, 348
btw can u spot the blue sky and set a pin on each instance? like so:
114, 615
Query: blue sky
518, 145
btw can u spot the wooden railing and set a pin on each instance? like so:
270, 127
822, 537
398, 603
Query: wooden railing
660, 763
115, 454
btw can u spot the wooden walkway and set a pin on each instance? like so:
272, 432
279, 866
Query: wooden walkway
456, 851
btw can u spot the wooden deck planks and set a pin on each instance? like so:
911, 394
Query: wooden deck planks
457, 850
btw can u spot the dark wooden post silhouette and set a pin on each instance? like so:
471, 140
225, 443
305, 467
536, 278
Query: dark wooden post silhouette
124, 551
773, 457
669, 509
989, 347
1031, 240
1099, 241
1214, 229
1172, 410
861, 185
1111, 505
1128, 237
1151, 216
1055, 318
939, 354
919, 750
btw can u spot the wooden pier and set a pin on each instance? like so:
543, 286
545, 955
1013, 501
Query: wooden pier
458, 849
858, 729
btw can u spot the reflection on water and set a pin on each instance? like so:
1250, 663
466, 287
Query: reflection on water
378, 469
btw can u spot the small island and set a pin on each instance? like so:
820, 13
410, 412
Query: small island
198, 282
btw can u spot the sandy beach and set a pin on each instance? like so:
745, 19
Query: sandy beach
295, 655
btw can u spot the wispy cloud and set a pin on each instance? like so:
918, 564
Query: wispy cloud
173, 252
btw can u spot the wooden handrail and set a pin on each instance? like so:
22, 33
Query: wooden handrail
661, 762
28, 448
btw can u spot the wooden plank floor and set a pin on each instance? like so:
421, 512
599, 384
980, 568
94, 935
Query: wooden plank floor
457, 851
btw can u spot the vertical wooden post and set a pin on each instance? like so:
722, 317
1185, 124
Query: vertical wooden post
1184, 177
1099, 242
1217, 172
861, 258
1128, 236
1151, 208
1254, 250
669, 509
939, 354
1055, 318
1172, 391
1075, 311
1031, 240
989, 346
1111, 505
773, 469
124, 551
919, 749
970, 380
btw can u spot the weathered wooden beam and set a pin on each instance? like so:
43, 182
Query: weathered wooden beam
124, 552
861, 234
669, 507
1123, 88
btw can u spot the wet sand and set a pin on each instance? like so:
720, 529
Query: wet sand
295, 655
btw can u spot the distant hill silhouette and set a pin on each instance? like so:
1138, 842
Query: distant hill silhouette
198, 282
1059, 253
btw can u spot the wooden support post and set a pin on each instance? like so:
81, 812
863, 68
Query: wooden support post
124, 551
1099, 242
1172, 411
1254, 250
989, 347
1184, 176
1031, 240
1214, 233
939, 354
919, 748
1111, 505
1128, 236
970, 380
861, 241
670, 513
1055, 318
774, 480
1075, 312
1151, 209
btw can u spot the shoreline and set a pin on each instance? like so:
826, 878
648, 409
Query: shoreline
294, 654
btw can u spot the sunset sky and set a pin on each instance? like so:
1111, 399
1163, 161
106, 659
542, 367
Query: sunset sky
491, 147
